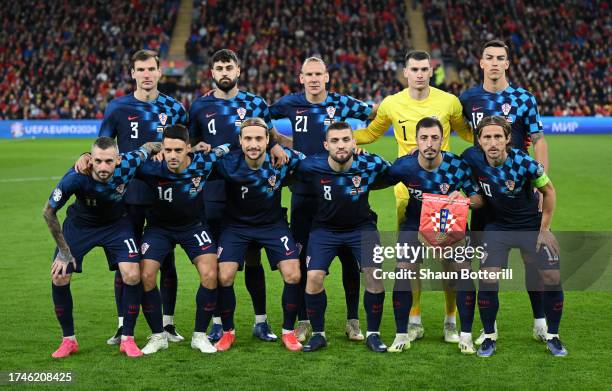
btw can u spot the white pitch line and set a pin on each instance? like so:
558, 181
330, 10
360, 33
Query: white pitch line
30, 179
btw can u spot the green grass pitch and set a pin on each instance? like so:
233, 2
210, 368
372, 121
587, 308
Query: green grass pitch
29, 170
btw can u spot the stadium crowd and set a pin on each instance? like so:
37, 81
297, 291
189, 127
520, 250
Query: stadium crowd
63, 59
362, 42
560, 49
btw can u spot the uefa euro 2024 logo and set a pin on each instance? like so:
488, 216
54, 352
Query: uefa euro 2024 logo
17, 129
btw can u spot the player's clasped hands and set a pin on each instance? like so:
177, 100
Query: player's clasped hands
201, 147
61, 262
546, 238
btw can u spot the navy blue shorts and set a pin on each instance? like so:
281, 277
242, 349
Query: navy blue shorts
213, 217
499, 243
158, 242
117, 240
325, 244
302, 207
276, 239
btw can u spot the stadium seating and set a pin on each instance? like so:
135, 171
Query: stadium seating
64, 59
559, 50
361, 41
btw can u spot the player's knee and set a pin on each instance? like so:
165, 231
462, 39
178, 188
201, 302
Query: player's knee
61, 280
148, 279
314, 283
226, 277
292, 276
551, 277
208, 278
131, 277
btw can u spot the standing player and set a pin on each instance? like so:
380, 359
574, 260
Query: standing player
254, 215
310, 113
430, 171
342, 219
133, 120
96, 219
403, 110
215, 120
496, 96
177, 183
507, 177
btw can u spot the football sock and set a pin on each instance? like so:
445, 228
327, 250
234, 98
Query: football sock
316, 305
488, 304
168, 284
151, 309
168, 319
206, 302
62, 300
227, 304
302, 314
415, 311
402, 301
533, 285
132, 295
351, 282
118, 286
261, 318
216, 319
553, 305
466, 305
255, 281
450, 299
373, 304
291, 293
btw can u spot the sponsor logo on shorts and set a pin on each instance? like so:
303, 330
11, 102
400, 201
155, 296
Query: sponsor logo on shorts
287, 253
204, 248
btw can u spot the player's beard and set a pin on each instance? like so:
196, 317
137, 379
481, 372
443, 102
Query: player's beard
225, 84
432, 155
261, 152
342, 160
99, 175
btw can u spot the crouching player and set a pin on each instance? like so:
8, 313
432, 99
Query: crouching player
253, 216
343, 219
507, 177
96, 218
178, 182
432, 171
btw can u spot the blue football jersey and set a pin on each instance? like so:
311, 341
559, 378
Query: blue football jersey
133, 123
254, 196
178, 197
342, 197
97, 203
508, 188
217, 121
309, 121
451, 175
516, 104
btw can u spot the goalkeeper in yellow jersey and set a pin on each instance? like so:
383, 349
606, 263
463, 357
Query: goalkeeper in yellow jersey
403, 110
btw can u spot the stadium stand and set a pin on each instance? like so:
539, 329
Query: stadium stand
65, 59
559, 49
362, 43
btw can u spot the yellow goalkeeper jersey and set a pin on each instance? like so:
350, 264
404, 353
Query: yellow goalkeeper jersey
403, 112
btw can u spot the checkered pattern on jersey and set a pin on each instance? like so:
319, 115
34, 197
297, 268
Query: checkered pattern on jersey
517, 172
126, 170
173, 108
347, 107
365, 170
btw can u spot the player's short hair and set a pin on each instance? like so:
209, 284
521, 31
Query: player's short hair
495, 43
255, 121
224, 55
313, 59
495, 120
339, 125
417, 55
429, 122
144, 55
104, 143
178, 131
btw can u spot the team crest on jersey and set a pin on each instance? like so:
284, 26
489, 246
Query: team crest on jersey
57, 195
444, 188
510, 184
506, 109
196, 181
356, 180
331, 112
272, 180
163, 117
143, 249
241, 112
120, 189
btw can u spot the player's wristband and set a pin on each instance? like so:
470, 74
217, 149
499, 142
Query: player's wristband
221, 150
144, 152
